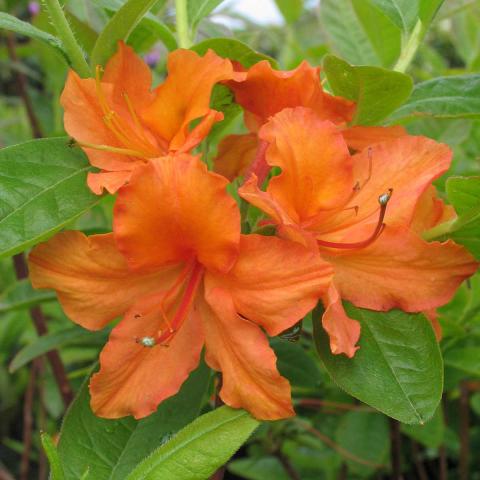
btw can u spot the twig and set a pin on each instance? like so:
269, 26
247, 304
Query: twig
464, 432
396, 449
41, 327
5, 474
22, 89
315, 402
328, 441
28, 422
42, 420
288, 467
420, 467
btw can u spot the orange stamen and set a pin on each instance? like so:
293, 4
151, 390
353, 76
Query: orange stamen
383, 201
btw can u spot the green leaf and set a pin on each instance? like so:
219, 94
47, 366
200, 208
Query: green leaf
403, 13
21, 295
42, 188
53, 458
296, 364
119, 28
112, 448
427, 9
457, 96
466, 359
398, 368
360, 33
290, 9
147, 32
13, 24
46, 343
431, 435
464, 193
200, 448
234, 50
377, 91
198, 9
365, 435
259, 468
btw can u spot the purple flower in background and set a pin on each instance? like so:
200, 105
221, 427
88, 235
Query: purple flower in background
153, 57
34, 8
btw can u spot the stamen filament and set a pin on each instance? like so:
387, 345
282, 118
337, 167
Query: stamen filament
383, 201
107, 148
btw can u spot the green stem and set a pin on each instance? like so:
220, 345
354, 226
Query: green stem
183, 32
438, 231
410, 48
65, 34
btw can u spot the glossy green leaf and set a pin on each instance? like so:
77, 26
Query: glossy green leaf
42, 188
377, 91
466, 359
21, 295
463, 193
398, 368
290, 9
431, 435
200, 448
111, 449
46, 343
234, 50
365, 435
198, 9
427, 9
361, 33
457, 96
56, 469
119, 28
13, 24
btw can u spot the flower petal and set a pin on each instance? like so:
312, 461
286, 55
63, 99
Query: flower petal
360, 137
91, 277
264, 92
275, 282
315, 162
134, 379
235, 154
172, 210
344, 332
240, 350
400, 270
110, 181
185, 95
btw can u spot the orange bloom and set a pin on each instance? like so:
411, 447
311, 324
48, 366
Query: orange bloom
182, 276
336, 202
264, 92
121, 123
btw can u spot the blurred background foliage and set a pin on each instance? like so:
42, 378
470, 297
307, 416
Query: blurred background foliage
334, 436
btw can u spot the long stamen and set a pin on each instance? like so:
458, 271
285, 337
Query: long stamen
383, 201
107, 148
181, 313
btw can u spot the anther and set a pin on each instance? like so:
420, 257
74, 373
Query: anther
148, 342
385, 197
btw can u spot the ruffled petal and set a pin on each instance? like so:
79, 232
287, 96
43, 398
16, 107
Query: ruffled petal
274, 282
360, 137
174, 210
134, 379
264, 92
240, 350
91, 277
400, 270
315, 162
343, 331
235, 155
185, 94
110, 181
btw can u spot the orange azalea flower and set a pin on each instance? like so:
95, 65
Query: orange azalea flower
364, 214
182, 276
263, 92
121, 123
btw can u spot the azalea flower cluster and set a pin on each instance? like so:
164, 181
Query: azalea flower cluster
348, 206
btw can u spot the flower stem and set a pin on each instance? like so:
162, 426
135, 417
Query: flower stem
438, 231
183, 32
410, 48
67, 37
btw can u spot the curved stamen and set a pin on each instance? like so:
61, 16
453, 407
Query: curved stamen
383, 202
107, 148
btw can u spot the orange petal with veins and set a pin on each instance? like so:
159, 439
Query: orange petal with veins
91, 277
174, 210
360, 137
274, 282
235, 155
240, 350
